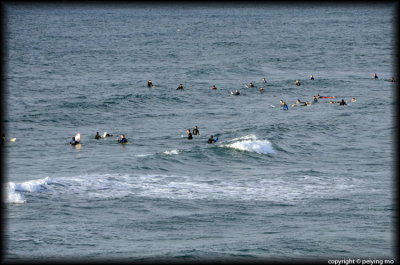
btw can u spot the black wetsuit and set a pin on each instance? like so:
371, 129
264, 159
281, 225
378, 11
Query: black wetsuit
149, 84
97, 136
73, 142
342, 103
211, 140
190, 136
179, 87
196, 132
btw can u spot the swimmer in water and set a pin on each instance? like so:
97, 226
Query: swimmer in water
74, 142
190, 137
149, 83
342, 103
261, 89
263, 80
315, 99
236, 92
97, 136
180, 87
211, 139
196, 131
297, 83
213, 87
353, 100
123, 139
282, 102
251, 84
375, 76
311, 77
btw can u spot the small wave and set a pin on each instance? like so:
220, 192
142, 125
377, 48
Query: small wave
14, 194
172, 152
251, 144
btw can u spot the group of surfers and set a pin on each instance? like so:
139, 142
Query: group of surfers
123, 139
196, 131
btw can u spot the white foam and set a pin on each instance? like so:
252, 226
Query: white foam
277, 188
14, 194
172, 152
251, 144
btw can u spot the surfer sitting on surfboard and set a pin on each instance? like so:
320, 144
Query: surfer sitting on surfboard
97, 136
196, 130
149, 83
123, 139
74, 142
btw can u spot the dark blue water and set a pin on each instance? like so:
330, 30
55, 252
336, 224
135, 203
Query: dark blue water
312, 182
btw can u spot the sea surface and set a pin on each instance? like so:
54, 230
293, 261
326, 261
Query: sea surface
309, 183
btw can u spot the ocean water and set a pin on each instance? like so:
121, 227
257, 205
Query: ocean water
312, 182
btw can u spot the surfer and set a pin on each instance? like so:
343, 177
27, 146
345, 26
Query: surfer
180, 87
105, 135
123, 139
211, 139
236, 92
353, 100
305, 103
149, 83
342, 103
264, 81
282, 102
285, 106
298, 101
251, 84
297, 83
196, 130
375, 76
315, 99
74, 142
261, 89
311, 77
97, 136
213, 87
190, 137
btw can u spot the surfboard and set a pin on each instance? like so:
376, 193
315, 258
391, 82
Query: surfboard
104, 134
13, 139
78, 137
285, 107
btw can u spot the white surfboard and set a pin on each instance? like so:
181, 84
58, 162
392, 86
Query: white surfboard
78, 137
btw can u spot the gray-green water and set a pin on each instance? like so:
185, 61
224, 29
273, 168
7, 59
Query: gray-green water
311, 182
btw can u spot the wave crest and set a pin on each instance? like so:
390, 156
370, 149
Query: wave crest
250, 143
